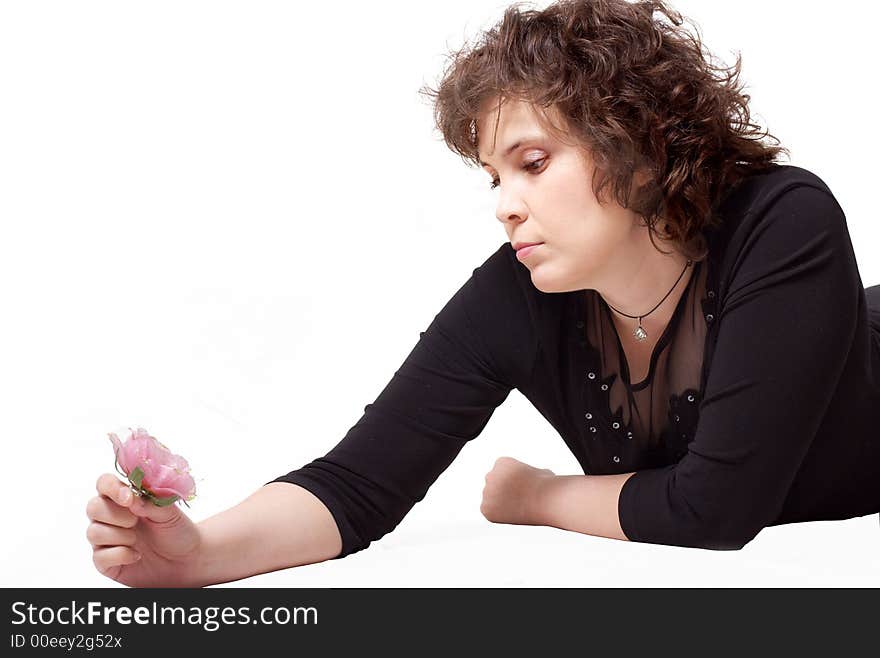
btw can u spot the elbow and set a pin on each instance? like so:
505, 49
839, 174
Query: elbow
718, 543
703, 534
659, 506
726, 536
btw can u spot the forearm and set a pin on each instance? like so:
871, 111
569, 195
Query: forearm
582, 503
280, 525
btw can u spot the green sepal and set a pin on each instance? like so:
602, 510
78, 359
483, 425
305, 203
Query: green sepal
137, 476
162, 502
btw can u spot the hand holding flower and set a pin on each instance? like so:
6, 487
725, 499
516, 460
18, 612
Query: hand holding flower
139, 537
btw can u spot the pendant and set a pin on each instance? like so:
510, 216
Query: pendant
640, 333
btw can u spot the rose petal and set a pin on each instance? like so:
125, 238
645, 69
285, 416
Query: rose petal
119, 451
165, 473
166, 481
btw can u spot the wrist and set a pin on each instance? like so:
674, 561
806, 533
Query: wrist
216, 560
199, 573
538, 511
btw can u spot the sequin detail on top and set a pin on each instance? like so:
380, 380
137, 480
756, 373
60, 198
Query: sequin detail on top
652, 422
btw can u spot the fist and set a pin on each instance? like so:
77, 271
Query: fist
511, 492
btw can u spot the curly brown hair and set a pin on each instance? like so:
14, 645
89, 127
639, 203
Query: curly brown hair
636, 93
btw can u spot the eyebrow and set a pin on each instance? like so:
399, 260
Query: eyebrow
510, 149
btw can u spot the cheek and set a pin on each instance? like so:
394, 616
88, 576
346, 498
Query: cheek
592, 245
577, 204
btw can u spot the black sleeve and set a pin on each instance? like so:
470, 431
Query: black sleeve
785, 328
441, 397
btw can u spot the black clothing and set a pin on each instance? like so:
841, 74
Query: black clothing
761, 405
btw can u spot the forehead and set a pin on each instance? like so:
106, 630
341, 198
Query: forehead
515, 119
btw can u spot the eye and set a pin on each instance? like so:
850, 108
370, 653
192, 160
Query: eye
534, 165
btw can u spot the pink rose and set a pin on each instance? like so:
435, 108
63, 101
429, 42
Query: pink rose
153, 470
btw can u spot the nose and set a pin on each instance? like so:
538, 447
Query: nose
510, 208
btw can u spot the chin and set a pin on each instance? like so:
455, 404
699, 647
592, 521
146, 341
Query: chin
547, 284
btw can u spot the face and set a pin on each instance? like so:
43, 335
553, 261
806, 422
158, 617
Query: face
544, 189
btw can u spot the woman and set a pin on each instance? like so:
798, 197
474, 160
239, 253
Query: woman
690, 318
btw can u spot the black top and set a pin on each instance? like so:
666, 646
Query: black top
761, 405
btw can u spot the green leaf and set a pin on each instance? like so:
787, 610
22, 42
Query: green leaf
136, 477
164, 502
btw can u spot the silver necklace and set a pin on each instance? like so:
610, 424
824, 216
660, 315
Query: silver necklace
639, 332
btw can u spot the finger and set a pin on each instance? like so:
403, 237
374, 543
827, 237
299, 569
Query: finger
111, 486
107, 558
142, 506
101, 508
102, 534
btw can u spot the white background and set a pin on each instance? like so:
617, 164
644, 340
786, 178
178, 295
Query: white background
229, 221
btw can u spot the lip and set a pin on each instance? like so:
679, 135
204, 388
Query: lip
522, 245
524, 252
